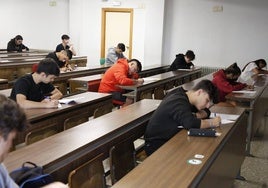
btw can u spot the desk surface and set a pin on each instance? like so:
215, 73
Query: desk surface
160, 78
260, 84
169, 166
63, 148
82, 99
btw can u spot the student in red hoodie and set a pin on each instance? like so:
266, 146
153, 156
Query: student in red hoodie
226, 81
124, 72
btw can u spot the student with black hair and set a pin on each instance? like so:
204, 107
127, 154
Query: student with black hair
123, 72
35, 90
115, 53
12, 121
226, 81
183, 61
65, 45
16, 45
62, 58
181, 108
251, 70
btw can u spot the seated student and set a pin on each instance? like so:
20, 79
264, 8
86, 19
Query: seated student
35, 90
61, 59
181, 108
226, 81
124, 72
183, 61
251, 70
15, 45
12, 120
65, 44
115, 53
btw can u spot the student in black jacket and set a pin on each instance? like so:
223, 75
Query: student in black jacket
183, 61
181, 108
15, 45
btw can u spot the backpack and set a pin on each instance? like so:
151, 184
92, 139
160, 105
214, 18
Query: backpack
30, 176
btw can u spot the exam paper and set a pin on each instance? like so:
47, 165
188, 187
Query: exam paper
225, 118
69, 100
245, 91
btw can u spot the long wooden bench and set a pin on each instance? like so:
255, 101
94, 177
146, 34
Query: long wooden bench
65, 151
176, 163
86, 103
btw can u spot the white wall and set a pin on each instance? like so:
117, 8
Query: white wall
40, 25
238, 34
85, 28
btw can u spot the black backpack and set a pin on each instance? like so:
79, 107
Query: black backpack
30, 176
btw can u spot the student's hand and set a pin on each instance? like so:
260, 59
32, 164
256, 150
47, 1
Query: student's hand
250, 87
51, 103
140, 80
69, 67
215, 122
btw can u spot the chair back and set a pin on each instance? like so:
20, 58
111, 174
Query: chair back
89, 175
122, 159
159, 93
75, 120
40, 134
102, 110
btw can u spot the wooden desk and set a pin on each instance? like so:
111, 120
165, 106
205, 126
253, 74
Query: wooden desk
256, 103
13, 69
86, 104
82, 82
161, 80
3, 83
153, 70
63, 152
20, 56
168, 166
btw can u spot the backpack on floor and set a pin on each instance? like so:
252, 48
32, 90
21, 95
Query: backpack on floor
30, 176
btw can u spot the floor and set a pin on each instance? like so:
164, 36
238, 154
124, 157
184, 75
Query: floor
255, 169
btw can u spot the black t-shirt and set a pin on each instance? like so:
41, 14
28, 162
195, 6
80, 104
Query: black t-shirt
33, 92
175, 110
54, 56
61, 47
180, 63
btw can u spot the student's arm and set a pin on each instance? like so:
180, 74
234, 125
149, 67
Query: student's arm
24, 48
27, 104
72, 49
56, 94
210, 123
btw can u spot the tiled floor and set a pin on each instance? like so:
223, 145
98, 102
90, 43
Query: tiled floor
255, 169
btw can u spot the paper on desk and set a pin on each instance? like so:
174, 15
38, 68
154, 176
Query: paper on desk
150, 79
225, 118
245, 91
69, 100
4, 60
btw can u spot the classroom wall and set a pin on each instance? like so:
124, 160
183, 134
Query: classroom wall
85, 28
237, 34
40, 24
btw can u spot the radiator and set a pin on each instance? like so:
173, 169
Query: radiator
207, 70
